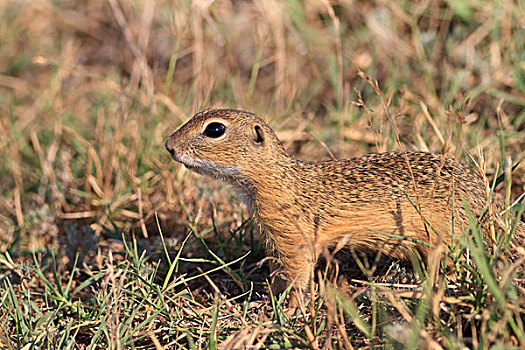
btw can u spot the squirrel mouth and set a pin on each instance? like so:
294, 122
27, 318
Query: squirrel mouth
188, 163
190, 167
206, 168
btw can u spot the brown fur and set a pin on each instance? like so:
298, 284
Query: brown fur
304, 207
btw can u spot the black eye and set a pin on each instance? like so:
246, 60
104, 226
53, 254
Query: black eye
214, 130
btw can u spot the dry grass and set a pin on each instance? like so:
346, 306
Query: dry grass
106, 242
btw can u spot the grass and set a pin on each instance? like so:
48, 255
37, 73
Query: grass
106, 242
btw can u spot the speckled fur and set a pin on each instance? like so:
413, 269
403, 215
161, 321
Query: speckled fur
303, 207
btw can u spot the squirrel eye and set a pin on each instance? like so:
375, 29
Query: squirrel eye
214, 130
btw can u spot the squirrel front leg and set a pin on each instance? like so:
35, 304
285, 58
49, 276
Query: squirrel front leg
298, 264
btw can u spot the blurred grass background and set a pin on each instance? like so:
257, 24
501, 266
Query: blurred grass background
93, 212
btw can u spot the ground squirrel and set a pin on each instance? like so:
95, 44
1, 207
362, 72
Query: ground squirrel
303, 207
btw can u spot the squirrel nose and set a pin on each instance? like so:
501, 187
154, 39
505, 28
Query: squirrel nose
168, 146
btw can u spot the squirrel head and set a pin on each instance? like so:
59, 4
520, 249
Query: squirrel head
226, 144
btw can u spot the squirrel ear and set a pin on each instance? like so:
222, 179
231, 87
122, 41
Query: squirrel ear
258, 134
